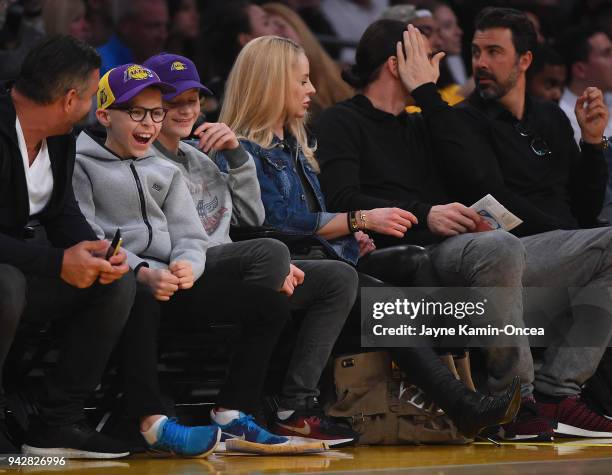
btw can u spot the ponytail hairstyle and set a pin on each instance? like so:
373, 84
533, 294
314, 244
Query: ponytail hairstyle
377, 44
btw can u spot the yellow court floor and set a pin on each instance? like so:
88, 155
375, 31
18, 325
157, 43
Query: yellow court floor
567, 458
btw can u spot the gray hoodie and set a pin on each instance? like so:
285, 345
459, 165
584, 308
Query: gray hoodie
220, 198
147, 198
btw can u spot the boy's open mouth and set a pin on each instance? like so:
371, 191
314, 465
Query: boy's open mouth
142, 139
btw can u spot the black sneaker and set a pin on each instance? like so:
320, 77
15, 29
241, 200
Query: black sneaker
530, 425
310, 424
6, 443
126, 430
76, 440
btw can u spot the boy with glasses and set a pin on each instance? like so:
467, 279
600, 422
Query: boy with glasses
122, 184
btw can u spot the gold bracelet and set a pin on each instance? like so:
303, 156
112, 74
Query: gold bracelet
362, 216
354, 226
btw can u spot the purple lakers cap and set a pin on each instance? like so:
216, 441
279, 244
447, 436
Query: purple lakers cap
178, 71
123, 83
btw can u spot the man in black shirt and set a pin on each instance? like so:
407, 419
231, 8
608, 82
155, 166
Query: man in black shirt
371, 153
52, 266
526, 156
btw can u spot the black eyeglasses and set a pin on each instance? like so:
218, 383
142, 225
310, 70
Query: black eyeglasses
538, 144
138, 114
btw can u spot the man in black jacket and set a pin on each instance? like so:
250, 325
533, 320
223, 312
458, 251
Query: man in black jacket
372, 154
51, 263
525, 154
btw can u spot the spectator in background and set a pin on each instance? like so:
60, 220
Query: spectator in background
428, 25
32, 14
602, 19
537, 26
588, 57
100, 21
184, 28
310, 12
235, 23
451, 35
66, 17
324, 72
17, 37
282, 18
140, 31
350, 18
231, 25
547, 74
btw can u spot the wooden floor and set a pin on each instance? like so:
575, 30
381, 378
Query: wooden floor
568, 458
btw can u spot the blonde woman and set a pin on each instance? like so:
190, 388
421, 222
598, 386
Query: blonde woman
267, 97
324, 72
66, 17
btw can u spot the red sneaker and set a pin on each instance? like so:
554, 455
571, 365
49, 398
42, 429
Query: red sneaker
576, 419
529, 425
312, 426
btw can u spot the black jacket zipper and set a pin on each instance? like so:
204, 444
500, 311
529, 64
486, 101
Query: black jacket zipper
143, 207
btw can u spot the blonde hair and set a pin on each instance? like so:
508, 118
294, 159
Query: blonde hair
59, 14
257, 93
324, 72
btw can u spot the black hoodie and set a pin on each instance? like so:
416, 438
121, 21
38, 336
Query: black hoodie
372, 159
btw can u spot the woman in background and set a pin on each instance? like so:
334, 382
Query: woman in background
324, 72
66, 17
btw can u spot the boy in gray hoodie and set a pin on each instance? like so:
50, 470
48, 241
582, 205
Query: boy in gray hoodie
324, 290
121, 184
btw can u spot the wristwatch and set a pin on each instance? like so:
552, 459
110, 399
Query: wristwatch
603, 145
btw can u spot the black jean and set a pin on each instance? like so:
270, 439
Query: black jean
260, 312
96, 317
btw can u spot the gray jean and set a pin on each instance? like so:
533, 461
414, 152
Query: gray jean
326, 298
578, 259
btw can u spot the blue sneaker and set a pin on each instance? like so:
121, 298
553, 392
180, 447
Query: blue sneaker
245, 428
177, 439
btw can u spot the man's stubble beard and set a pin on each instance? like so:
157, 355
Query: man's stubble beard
498, 90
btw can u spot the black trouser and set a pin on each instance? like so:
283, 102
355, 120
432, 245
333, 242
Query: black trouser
96, 317
262, 314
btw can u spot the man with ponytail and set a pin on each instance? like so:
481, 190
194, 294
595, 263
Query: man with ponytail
373, 154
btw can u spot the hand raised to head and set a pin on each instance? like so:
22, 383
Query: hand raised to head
414, 65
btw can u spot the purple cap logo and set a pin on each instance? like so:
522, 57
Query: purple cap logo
137, 73
178, 66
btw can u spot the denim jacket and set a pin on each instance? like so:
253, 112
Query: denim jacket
284, 200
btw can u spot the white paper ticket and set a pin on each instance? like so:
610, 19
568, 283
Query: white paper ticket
495, 213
